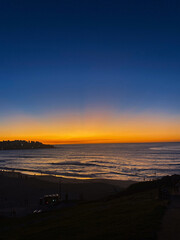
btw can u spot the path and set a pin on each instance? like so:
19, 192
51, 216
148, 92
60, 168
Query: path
170, 229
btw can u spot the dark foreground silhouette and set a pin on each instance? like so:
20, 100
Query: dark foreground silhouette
22, 144
132, 214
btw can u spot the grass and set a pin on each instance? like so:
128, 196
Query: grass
135, 216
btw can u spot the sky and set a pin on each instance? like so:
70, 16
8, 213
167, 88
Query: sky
89, 71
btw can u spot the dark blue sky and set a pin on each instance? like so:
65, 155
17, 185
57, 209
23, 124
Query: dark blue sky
64, 55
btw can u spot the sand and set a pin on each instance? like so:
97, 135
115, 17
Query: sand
20, 193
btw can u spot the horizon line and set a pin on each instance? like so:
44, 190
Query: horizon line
81, 143
112, 143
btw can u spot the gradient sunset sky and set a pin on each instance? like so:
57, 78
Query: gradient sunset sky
85, 71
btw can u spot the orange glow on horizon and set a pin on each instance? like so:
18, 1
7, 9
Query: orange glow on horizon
92, 127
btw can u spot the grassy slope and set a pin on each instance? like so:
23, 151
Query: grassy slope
134, 216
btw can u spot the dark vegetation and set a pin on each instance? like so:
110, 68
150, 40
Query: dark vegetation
135, 214
167, 182
22, 144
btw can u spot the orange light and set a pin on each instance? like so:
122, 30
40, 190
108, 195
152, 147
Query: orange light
92, 127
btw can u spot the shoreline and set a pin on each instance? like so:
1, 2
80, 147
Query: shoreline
56, 178
68, 177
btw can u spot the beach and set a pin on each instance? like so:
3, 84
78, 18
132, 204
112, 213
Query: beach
20, 193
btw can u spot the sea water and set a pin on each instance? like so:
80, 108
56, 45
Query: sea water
140, 161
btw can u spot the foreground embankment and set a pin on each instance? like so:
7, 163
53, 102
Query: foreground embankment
135, 213
20, 193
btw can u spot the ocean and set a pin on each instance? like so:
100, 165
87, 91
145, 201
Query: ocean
140, 161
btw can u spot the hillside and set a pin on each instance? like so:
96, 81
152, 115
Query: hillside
134, 216
22, 144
